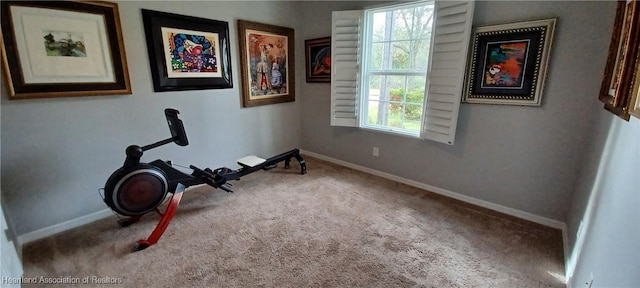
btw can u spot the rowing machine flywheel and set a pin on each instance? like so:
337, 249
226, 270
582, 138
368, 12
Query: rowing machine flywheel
137, 190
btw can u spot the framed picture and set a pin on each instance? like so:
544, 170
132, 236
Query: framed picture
617, 88
509, 62
267, 62
63, 49
318, 59
187, 53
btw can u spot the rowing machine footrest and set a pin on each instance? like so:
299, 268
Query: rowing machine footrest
269, 167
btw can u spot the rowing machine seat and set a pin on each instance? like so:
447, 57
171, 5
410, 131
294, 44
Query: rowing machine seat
250, 161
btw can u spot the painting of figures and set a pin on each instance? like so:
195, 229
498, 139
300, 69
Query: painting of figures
268, 64
266, 54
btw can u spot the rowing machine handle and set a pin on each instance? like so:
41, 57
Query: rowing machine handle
211, 178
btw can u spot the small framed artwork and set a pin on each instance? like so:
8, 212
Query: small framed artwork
617, 89
508, 63
318, 59
63, 49
267, 62
187, 53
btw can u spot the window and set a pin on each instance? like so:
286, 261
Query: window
400, 68
395, 67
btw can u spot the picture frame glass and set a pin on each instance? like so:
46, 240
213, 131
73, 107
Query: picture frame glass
74, 48
187, 53
63, 49
268, 64
318, 60
508, 63
267, 57
191, 54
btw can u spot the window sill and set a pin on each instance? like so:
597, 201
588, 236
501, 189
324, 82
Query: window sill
391, 132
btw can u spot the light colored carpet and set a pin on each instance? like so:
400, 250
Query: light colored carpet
334, 227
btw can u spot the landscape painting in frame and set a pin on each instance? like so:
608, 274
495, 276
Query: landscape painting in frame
191, 53
508, 63
64, 43
63, 49
267, 63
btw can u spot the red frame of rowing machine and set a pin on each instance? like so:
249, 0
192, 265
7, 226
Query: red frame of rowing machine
167, 216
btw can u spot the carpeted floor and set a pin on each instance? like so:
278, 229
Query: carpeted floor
334, 227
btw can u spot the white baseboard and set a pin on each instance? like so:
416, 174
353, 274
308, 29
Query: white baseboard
68, 225
61, 227
485, 204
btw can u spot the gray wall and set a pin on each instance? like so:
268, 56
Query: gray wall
607, 202
524, 158
57, 153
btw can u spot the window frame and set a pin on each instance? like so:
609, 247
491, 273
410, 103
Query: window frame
367, 71
445, 79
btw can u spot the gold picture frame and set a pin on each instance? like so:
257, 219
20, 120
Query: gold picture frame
617, 90
63, 49
267, 63
634, 103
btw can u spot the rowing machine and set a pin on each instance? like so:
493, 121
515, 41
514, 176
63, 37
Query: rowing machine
138, 188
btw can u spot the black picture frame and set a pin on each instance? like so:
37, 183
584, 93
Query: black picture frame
76, 72
212, 68
508, 63
316, 53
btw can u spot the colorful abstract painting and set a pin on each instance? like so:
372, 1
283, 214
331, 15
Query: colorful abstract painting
504, 64
191, 53
509, 63
318, 59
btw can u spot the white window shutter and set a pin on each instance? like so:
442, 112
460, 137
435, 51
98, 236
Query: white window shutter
346, 39
445, 78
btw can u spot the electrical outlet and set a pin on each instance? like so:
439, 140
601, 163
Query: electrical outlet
376, 151
590, 283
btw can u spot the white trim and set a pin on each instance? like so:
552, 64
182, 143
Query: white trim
70, 224
567, 251
584, 228
482, 203
11, 263
61, 227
